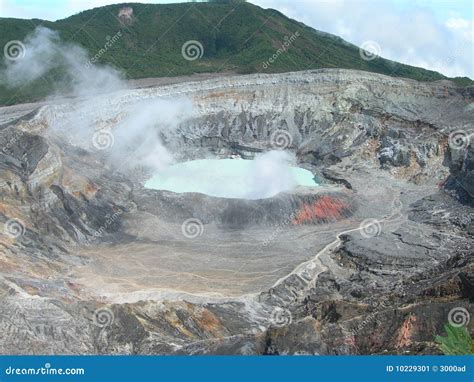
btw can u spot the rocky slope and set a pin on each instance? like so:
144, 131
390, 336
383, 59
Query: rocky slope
197, 37
373, 261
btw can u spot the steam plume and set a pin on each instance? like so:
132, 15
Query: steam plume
135, 140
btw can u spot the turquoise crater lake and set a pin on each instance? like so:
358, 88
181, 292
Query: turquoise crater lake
232, 178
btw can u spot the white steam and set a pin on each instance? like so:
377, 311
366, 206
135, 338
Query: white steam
138, 136
128, 134
264, 177
270, 173
44, 51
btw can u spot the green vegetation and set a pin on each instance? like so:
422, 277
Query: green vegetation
457, 341
236, 36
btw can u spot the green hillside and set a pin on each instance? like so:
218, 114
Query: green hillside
239, 37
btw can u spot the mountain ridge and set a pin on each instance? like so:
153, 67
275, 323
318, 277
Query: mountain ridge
239, 37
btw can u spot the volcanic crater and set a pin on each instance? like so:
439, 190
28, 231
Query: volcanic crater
195, 273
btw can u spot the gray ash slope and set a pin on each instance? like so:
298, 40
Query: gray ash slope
294, 274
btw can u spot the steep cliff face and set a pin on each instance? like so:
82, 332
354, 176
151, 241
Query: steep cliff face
327, 115
461, 180
301, 272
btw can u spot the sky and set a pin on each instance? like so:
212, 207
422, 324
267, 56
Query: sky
434, 34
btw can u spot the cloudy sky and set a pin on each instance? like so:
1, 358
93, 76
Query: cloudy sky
434, 34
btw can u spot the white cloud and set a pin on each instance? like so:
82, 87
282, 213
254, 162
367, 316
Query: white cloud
464, 28
458, 23
413, 35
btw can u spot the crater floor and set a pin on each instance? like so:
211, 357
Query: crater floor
298, 272
217, 261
